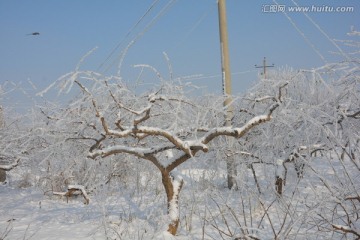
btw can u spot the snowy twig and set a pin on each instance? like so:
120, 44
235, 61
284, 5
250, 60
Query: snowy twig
353, 198
8, 167
238, 132
143, 118
345, 229
280, 91
72, 190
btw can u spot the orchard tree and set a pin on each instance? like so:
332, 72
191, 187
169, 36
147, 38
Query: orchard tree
14, 135
164, 127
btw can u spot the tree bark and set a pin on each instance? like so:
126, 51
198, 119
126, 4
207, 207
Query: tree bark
232, 173
172, 186
279, 185
2, 175
280, 176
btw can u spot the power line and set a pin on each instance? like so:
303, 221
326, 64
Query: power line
197, 23
155, 19
139, 35
303, 35
129, 32
201, 76
323, 32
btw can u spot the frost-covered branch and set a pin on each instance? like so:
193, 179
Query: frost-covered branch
280, 95
297, 151
146, 116
183, 145
355, 115
238, 132
222, 131
346, 229
144, 153
139, 152
74, 190
8, 167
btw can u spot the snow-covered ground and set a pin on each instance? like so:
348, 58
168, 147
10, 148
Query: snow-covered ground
207, 209
29, 214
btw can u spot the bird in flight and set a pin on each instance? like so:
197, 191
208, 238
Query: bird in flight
34, 33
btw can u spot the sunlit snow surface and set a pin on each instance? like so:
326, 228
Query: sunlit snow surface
31, 215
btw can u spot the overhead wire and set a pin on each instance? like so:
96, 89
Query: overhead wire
307, 40
155, 2
166, 8
324, 33
200, 76
197, 24
155, 19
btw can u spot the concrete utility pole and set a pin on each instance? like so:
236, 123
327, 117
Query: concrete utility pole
226, 79
264, 66
225, 60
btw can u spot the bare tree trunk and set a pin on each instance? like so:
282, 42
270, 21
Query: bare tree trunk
172, 187
231, 163
279, 185
280, 176
2, 175
232, 173
255, 178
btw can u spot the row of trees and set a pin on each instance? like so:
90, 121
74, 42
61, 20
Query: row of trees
295, 138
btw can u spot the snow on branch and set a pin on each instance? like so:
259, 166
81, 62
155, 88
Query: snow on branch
155, 97
146, 116
122, 106
140, 152
74, 190
346, 229
297, 151
8, 167
184, 146
278, 98
221, 131
238, 132
353, 198
355, 115
188, 147
145, 153
280, 95
262, 99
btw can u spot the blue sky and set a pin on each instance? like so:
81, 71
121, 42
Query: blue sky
187, 32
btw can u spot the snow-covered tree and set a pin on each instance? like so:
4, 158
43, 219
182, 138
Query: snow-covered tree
13, 142
298, 173
164, 127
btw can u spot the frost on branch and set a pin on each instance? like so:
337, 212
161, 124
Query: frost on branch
165, 129
279, 176
74, 190
346, 229
5, 166
9, 166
